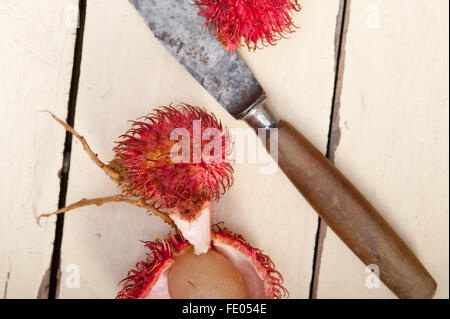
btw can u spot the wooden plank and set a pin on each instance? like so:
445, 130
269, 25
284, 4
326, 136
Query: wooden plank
394, 143
37, 42
125, 73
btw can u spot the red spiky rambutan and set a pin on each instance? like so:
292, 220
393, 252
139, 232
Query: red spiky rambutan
249, 22
176, 159
231, 269
146, 157
184, 181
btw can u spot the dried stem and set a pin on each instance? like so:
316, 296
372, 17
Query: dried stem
109, 172
94, 157
110, 199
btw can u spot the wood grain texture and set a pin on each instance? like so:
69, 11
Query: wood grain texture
394, 143
125, 73
36, 45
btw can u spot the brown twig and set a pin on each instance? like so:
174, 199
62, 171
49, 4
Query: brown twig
94, 157
109, 172
110, 199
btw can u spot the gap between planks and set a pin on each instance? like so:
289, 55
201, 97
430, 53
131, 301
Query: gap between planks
333, 140
71, 105
334, 132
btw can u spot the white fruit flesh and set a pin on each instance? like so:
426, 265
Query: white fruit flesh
197, 231
209, 275
225, 271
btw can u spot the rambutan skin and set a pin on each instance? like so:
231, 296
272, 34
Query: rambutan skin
272, 278
249, 22
140, 281
153, 173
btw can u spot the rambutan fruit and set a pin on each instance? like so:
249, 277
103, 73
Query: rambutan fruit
249, 22
231, 269
174, 162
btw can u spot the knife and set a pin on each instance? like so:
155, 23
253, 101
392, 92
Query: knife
226, 77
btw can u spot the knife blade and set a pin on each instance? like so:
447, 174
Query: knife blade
225, 76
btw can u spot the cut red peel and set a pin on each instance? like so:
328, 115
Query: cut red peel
158, 276
237, 249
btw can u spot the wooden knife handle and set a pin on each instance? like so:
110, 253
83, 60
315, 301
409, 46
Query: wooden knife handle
351, 216
346, 211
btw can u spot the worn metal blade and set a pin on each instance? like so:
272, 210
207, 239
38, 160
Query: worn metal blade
178, 26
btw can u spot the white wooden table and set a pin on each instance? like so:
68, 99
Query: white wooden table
388, 106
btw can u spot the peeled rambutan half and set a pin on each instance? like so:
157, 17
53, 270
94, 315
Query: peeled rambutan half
175, 162
231, 269
249, 22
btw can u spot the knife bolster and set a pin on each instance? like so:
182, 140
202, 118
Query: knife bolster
261, 116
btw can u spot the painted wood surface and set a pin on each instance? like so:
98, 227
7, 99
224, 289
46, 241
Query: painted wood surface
125, 73
36, 45
394, 142
393, 120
